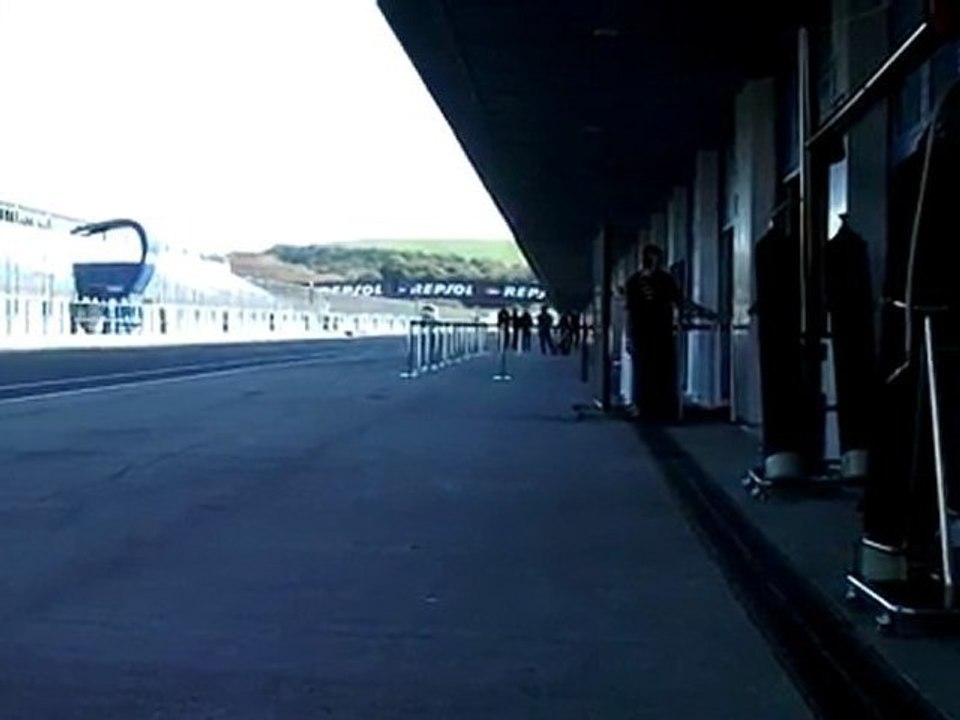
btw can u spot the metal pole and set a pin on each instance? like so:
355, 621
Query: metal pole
904, 60
441, 346
946, 544
606, 301
437, 347
806, 189
584, 353
812, 229
732, 375
411, 342
717, 364
502, 375
423, 362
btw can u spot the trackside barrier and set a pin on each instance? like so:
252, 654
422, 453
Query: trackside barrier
433, 345
503, 375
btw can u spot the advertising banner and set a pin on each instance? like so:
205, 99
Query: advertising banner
469, 291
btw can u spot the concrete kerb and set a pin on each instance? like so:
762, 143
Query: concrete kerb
841, 674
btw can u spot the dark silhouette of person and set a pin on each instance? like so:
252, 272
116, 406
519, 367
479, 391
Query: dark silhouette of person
503, 324
545, 328
566, 333
526, 324
517, 328
652, 294
576, 328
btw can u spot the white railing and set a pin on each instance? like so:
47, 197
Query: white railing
37, 321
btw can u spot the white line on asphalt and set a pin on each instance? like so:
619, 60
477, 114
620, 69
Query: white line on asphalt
146, 372
158, 381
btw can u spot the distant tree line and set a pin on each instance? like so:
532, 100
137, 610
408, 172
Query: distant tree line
373, 264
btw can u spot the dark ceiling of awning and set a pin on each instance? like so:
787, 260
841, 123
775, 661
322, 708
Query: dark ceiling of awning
577, 113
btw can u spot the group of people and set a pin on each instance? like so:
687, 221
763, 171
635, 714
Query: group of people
516, 330
651, 297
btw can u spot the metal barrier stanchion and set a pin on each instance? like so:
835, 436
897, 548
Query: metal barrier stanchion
422, 349
431, 347
502, 375
412, 347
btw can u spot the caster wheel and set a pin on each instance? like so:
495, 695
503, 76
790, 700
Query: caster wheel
886, 624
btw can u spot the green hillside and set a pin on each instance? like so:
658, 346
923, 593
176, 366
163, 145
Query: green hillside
365, 261
505, 251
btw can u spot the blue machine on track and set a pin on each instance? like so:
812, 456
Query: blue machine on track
109, 295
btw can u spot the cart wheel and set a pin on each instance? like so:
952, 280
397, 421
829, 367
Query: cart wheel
886, 624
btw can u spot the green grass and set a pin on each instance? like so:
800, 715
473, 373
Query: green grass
494, 250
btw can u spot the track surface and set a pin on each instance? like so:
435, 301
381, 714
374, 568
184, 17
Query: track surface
29, 374
309, 536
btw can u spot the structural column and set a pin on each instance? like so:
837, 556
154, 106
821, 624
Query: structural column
753, 185
705, 267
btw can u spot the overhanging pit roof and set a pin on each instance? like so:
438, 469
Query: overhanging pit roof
577, 113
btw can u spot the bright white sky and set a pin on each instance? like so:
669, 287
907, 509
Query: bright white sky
229, 124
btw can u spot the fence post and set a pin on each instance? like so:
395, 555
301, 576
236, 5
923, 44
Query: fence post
442, 347
411, 341
502, 375
433, 346
423, 360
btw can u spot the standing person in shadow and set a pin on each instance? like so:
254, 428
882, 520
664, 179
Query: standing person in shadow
566, 333
652, 295
545, 331
576, 328
526, 323
503, 324
516, 326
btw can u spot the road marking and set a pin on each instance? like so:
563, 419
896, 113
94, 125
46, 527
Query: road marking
133, 383
149, 372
